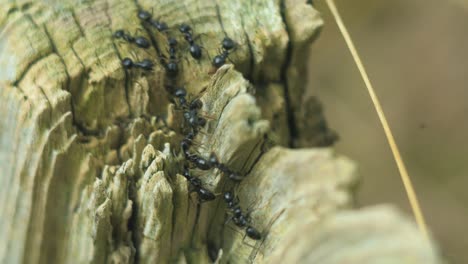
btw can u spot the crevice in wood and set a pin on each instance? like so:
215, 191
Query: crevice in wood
292, 125
132, 222
251, 70
80, 28
218, 16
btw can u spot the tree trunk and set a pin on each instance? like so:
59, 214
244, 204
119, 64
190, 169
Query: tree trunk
90, 158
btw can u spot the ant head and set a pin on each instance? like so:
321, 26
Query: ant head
119, 33
127, 63
237, 212
195, 51
161, 26
219, 61
180, 92
172, 42
184, 28
228, 43
144, 15
253, 233
228, 196
196, 104
172, 69
190, 135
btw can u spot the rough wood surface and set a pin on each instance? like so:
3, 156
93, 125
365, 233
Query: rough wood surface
89, 153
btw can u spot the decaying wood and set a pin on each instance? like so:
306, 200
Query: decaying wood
89, 153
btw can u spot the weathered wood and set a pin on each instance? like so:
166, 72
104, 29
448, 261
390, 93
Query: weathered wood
89, 152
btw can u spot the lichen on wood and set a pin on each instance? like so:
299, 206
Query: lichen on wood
90, 157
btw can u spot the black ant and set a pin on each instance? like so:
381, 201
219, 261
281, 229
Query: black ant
199, 162
238, 217
195, 121
146, 16
194, 181
171, 67
203, 194
159, 25
253, 233
180, 93
145, 64
233, 176
195, 50
140, 41
227, 45
190, 109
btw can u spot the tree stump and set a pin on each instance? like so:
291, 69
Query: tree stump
90, 152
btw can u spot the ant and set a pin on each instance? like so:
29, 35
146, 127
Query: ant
159, 25
233, 176
181, 93
140, 41
203, 194
238, 217
194, 181
227, 45
145, 64
195, 50
191, 109
171, 67
256, 235
146, 17
198, 161
194, 120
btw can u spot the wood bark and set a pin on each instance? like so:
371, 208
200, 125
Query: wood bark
89, 152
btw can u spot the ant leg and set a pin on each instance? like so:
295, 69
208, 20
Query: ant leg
230, 60
230, 226
230, 52
250, 245
270, 224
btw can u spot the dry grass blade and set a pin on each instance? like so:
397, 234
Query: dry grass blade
388, 133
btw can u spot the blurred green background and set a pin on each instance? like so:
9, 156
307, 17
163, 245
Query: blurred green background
416, 55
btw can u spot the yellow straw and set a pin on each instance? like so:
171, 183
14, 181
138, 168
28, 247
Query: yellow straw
413, 200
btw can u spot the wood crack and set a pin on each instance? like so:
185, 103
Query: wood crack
292, 125
218, 16
251, 70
